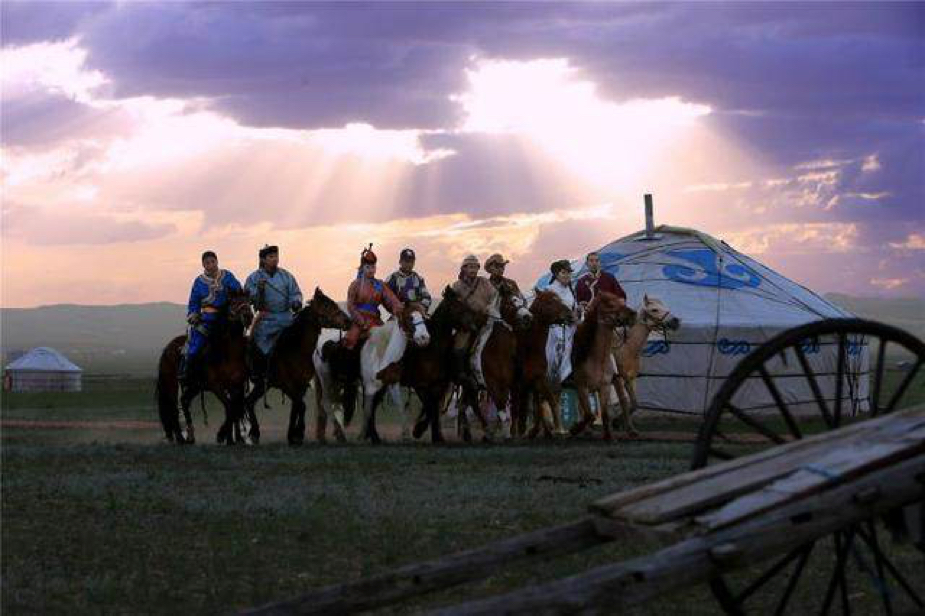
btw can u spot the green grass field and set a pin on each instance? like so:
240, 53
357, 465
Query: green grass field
99, 520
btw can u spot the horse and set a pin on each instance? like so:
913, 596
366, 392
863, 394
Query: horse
533, 387
290, 367
592, 365
496, 357
627, 350
337, 368
224, 360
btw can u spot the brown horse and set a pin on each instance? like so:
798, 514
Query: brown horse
337, 370
497, 362
225, 375
592, 365
290, 367
533, 389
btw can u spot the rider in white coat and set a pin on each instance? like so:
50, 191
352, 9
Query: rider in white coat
559, 342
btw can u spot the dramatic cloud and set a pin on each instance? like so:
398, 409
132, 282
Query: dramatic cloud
531, 129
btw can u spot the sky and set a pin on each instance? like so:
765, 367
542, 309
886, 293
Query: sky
134, 136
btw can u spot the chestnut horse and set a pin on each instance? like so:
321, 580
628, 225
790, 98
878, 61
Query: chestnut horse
290, 367
592, 364
533, 389
224, 368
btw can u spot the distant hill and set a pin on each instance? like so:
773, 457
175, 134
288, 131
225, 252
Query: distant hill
906, 312
125, 338
128, 338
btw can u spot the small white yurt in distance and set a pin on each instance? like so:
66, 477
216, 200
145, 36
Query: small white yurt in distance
729, 304
43, 369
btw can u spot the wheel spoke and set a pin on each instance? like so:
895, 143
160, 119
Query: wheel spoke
716, 452
881, 584
839, 377
755, 424
794, 578
907, 380
779, 401
881, 558
878, 378
814, 385
767, 575
724, 596
838, 575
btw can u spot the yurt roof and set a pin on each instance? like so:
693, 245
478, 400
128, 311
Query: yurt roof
43, 359
705, 281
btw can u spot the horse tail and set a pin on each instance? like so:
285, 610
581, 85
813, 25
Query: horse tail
167, 393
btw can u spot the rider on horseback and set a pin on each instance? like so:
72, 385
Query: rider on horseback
364, 296
596, 280
406, 283
482, 298
275, 294
559, 343
208, 298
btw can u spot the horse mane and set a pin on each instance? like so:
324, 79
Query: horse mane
291, 336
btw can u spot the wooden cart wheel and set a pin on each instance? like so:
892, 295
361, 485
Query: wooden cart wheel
862, 350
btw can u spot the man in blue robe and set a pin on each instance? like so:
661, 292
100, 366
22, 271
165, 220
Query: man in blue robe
275, 295
207, 299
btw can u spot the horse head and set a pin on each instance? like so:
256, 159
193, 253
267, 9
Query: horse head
412, 322
548, 309
239, 307
513, 308
327, 312
655, 315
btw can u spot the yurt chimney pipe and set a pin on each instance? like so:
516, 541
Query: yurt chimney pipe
650, 221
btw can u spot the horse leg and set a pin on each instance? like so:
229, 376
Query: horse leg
369, 419
603, 403
587, 417
631, 390
186, 400
401, 403
296, 432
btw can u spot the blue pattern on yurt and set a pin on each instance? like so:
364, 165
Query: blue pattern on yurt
706, 271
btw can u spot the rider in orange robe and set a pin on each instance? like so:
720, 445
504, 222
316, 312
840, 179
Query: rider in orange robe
364, 296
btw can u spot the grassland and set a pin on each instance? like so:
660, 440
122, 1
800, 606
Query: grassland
99, 520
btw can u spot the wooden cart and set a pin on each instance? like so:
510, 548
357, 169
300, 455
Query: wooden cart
739, 509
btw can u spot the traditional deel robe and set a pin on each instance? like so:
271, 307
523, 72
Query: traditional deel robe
281, 295
561, 337
589, 285
207, 298
364, 296
409, 288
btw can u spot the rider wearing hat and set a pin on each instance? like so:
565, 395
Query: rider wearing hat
495, 267
482, 298
207, 298
275, 295
364, 296
406, 283
559, 342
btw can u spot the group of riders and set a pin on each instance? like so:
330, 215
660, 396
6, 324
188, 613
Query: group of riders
275, 296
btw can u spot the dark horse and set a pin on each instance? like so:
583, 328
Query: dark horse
533, 390
290, 367
224, 373
497, 359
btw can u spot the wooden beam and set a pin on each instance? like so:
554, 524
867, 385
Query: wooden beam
611, 588
440, 574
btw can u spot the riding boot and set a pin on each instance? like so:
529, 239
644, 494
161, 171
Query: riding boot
461, 369
187, 370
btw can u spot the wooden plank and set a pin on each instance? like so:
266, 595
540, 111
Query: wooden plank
608, 504
693, 498
612, 588
440, 574
833, 468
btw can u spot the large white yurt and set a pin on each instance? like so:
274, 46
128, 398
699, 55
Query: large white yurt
43, 369
729, 304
